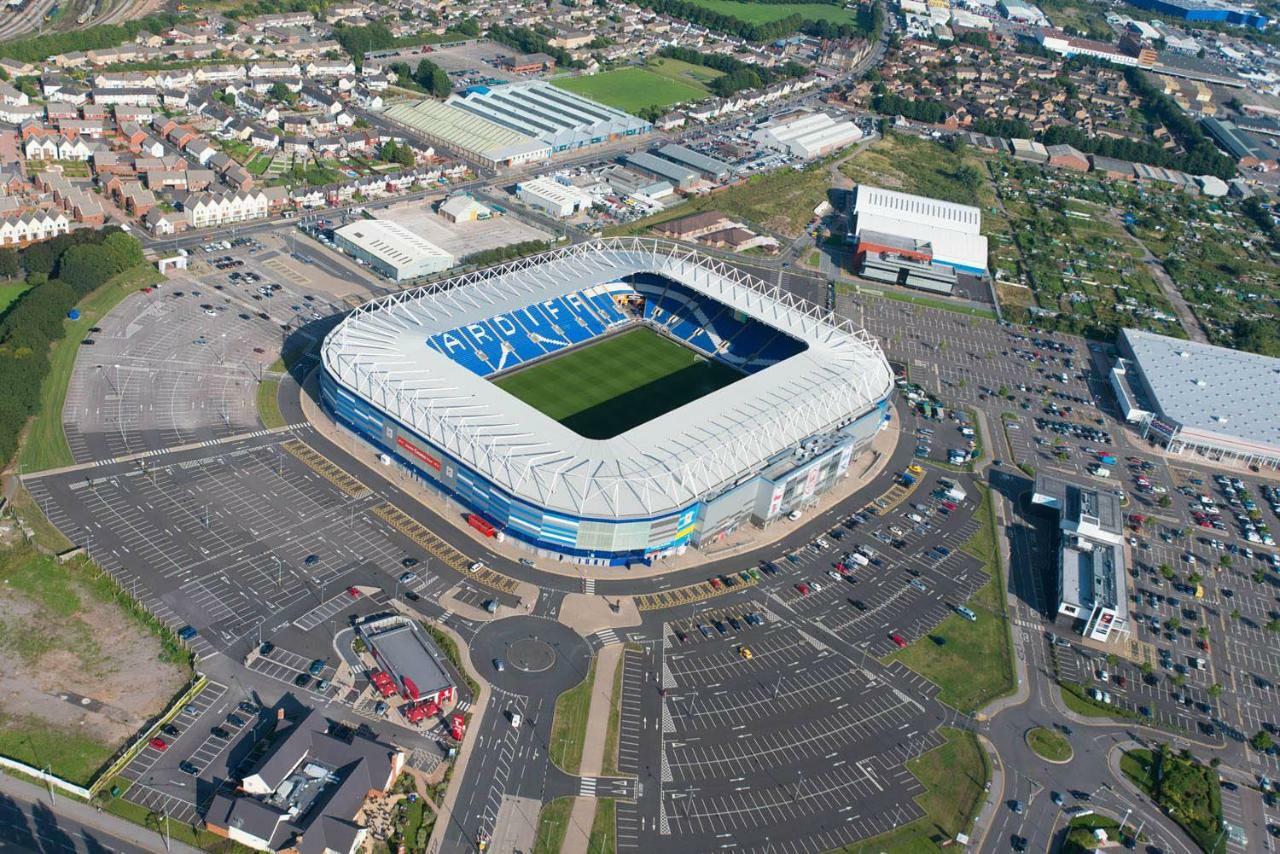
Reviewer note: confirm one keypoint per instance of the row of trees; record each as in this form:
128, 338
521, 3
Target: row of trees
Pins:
889, 104
1202, 156
392, 153
428, 77
866, 23
78, 263
506, 253
37, 49
737, 75
526, 40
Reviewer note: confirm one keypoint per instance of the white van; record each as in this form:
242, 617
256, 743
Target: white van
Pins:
516, 719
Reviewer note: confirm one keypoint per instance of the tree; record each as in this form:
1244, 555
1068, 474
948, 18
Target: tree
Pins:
1260, 575
1203, 633
1235, 613
1173, 623
1166, 572
432, 78
1194, 578
1273, 625
1215, 690
1261, 741
1165, 502
280, 92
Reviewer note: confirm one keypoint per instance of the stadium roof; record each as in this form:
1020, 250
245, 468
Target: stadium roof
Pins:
1210, 390
667, 463
952, 229
555, 116
464, 130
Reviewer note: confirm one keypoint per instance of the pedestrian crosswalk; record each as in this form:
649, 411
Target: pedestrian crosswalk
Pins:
587, 787
589, 586
605, 637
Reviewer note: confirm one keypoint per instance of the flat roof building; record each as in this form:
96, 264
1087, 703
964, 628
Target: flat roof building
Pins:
549, 195
409, 657
556, 117
1091, 560
709, 166
681, 176
951, 231
468, 134
808, 135
391, 249
1216, 402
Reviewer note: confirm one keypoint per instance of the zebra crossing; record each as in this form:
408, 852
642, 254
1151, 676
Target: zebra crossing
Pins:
589, 586
604, 637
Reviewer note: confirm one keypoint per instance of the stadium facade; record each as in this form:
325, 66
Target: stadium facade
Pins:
410, 374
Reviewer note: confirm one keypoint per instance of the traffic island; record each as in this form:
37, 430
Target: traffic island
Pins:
1049, 745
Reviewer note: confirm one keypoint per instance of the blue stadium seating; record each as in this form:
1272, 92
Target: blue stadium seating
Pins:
504, 341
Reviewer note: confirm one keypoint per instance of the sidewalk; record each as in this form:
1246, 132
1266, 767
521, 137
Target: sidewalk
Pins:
83, 814
584, 809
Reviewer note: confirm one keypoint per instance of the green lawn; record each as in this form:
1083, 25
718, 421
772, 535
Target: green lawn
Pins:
569, 726
45, 445
10, 291
697, 76
632, 89
269, 404
1049, 744
605, 389
604, 838
553, 824
764, 13
975, 664
954, 775
609, 766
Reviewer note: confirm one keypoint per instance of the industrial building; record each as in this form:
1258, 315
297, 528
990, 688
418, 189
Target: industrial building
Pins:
711, 167
391, 249
1091, 560
552, 197
628, 182
463, 208
1238, 143
1196, 398
917, 229
559, 118
1205, 11
682, 177
808, 135
468, 135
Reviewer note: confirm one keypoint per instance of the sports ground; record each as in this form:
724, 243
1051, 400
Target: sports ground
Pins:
631, 89
606, 388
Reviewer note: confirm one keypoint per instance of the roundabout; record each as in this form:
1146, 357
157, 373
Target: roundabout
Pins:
539, 657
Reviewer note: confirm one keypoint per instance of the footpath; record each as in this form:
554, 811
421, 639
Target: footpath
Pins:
583, 815
80, 818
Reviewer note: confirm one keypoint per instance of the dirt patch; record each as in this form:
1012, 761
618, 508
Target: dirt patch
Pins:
73, 660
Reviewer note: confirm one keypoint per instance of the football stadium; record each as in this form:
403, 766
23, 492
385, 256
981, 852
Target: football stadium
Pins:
612, 401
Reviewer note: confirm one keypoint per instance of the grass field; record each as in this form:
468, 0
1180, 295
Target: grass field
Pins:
605, 389
698, 76
975, 664
10, 291
569, 726
632, 89
604, 837
45, 445
764, 13
1049, 744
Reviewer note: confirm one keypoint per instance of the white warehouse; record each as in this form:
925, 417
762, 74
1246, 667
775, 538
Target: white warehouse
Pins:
391, 249
552, 197
952, 232
808, 135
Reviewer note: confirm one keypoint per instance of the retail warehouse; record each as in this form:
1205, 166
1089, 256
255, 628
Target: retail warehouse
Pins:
560, 119
889, 226
391, 249
1216, 402
468, 134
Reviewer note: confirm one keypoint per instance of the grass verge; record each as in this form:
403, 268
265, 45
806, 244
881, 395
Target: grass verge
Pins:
45, 533
609, 765
269, 404
1075, 699
450, 649
1048, 744
569, 726
45, 445
1187, 791
553, 825
975, 664
932, 302
954, 776
175, 830
604, 839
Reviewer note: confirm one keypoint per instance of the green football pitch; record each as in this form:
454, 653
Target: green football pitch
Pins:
605, 389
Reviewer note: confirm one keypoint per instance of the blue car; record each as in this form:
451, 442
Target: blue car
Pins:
187, 632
